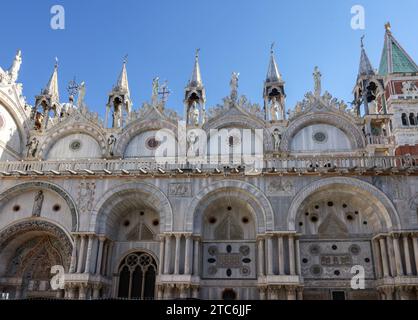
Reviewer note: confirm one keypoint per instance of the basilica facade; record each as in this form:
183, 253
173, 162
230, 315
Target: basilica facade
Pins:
144, 204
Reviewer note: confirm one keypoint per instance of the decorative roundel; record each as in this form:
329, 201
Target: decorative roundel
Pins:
212, 250
245, 250
245, 271
314, 249
320, 137
2, 122
152, 143
75, 145
212, 270
354, 249
316, 270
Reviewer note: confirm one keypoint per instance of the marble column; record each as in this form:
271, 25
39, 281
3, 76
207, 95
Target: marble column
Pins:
187, 260
88, 256
408, 265
73, 264
415, 244
195, 292
377, 255
167, 257
105, 253
291, 293
109, 258
280, 247
177, 254
196, 257
161, 255
160, 293
81, 255
384, 257
99, 256
82, 294
260, 249
71, 292
397, 251
299, 292
96, 291
297, 258
269, 255
291, 255
262, 292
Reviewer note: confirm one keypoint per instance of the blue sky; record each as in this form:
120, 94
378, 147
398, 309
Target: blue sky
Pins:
160, 38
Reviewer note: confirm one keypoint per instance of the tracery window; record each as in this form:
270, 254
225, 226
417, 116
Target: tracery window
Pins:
404, 119
137, 276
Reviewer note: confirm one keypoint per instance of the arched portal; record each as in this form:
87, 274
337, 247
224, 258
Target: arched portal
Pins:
337, 219
29, 249
137, 273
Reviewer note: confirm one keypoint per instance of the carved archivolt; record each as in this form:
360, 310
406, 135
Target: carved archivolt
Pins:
387, 209
20, 188
350, 129
245, 191
10, 233
90, 130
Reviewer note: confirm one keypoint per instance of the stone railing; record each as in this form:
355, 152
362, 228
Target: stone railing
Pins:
148, 165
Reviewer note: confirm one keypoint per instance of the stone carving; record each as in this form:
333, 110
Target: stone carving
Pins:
111, 141
86, 196
333, 260
14, 69
37, 205
317, 80
155, 86
409, 87
234, 85
277, 137
229, 260
276, 109
280, 187
32, 147
20, 228
180, 189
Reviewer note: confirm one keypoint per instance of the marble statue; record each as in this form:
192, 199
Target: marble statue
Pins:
37, 205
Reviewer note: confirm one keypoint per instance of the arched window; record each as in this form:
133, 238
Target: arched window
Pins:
229, 294
412, 121
137, 276
404, 119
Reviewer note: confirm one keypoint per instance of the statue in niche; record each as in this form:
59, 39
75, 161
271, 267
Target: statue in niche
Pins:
191, 139
111, 143
32, 147
195, 113
116, 118
277, 137
37, 205
39, 118
275, 109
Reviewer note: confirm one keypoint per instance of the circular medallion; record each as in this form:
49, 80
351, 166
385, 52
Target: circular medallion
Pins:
316, 270
245, 250
152, 143
354, 249
320, 137
75, 145
314, 249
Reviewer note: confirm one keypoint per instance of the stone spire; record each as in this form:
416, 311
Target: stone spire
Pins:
273, 74
119, 101
365, 68
273, 92
394, 58
122, 84
195, 97
47, 101
196, 78
51, 88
